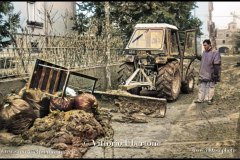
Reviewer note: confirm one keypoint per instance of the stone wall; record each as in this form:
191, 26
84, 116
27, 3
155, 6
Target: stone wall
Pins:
7, 86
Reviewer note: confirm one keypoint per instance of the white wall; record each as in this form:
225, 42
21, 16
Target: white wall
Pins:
61, 13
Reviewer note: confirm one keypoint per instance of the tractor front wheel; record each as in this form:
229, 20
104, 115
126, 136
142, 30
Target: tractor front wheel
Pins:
189, 84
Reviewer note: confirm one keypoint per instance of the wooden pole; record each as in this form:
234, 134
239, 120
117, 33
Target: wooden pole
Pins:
107, 37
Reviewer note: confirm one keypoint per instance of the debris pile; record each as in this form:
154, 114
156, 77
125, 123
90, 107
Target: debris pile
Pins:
72, 131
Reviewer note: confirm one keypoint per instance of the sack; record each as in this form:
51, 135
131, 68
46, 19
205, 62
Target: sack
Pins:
62, 104
32, 95
17, 115
38, 101
13, 107
86, 102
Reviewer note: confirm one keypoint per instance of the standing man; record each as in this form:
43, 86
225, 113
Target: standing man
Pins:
209, 73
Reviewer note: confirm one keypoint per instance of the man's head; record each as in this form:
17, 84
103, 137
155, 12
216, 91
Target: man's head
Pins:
207, 44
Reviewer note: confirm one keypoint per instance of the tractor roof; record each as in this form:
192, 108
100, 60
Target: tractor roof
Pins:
155, 25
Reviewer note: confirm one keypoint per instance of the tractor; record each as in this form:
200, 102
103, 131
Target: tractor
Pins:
159, 61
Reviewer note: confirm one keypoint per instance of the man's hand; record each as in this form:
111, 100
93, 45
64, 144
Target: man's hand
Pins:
216, 73
216, 78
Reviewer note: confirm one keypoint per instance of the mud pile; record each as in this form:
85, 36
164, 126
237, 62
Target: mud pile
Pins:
72, 132
27, 116
119, 92
227, 91
137, 112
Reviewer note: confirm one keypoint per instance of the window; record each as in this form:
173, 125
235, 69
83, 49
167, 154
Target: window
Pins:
190, 46
147, 38
227, 35
31, 11
173, 42
34, 46
33, 15
223, 41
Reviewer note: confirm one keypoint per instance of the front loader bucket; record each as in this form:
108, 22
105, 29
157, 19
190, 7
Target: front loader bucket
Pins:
124, 101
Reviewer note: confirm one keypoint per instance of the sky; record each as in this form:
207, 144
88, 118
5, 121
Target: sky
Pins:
221, 14
202, 13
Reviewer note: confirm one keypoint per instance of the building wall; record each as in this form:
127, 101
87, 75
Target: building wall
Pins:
225, 36
60, 14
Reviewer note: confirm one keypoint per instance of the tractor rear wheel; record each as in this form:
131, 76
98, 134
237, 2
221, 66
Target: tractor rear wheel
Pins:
124, 72
168, 82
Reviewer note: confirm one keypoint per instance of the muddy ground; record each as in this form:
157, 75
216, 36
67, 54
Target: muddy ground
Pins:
189, 130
